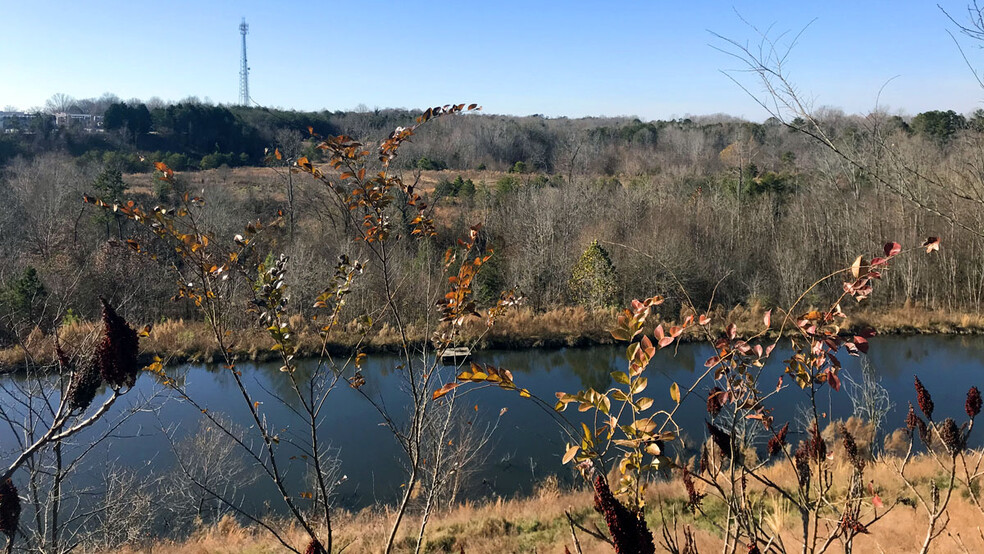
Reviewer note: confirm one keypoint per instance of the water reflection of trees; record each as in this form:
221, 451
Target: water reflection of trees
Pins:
894, 357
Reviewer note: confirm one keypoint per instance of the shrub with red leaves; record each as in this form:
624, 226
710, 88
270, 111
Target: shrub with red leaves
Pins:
10, 508
628, 530
116, 355
925, 400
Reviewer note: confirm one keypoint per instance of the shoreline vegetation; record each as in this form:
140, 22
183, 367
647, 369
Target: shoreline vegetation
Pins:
181, 341
538, 522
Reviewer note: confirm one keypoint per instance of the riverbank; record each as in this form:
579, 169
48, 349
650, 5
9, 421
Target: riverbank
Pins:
538, 523
180, 341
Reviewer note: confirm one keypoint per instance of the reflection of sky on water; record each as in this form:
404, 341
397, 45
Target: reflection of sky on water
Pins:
527, 444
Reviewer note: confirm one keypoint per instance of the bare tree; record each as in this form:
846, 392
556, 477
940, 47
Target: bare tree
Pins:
59, 102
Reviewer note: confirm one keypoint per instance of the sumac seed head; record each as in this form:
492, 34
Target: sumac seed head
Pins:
973, 404
952, 436
116, 354
715, 401
924, 399
778, 441
10, 508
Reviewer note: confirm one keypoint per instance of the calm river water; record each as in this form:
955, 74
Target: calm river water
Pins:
526, 445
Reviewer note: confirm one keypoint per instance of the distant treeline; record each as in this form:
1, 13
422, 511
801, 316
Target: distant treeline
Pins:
193, 135
579, 211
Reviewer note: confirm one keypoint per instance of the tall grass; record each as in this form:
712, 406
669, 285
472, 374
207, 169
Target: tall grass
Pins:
181, 340
537, 523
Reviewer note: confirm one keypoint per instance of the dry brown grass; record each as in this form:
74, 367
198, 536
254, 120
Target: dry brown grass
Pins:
538, 524
182, 340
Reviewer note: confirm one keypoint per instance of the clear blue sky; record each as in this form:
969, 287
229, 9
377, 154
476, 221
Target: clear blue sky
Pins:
647, 58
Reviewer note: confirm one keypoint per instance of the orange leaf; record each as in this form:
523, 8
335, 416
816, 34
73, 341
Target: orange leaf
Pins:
444, 390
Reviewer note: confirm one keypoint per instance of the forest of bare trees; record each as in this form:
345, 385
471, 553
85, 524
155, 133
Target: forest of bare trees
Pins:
714, 203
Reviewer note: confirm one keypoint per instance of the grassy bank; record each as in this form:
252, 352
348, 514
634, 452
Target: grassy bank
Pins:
538, 523
192, 341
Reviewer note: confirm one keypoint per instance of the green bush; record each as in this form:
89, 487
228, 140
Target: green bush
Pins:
506, 185
428, 164
22, 300
458, 187
594, 281
218, 159
176, 161
519, 167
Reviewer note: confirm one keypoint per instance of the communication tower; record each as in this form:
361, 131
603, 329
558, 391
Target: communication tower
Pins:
244, 68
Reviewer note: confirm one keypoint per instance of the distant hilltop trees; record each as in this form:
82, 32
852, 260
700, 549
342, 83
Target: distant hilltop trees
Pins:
199, 134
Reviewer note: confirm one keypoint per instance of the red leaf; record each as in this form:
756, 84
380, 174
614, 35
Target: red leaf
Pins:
665, 341
932, 243
892, 248
877, 502
767, 319
834, 380
861, 343
867, 333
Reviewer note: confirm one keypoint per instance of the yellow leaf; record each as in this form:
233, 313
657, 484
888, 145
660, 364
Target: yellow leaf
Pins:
856, 267
675, 392
571, 452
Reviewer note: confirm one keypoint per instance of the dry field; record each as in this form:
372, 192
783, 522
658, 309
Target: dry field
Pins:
538, 523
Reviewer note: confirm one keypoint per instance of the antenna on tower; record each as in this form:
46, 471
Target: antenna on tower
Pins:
244, 68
